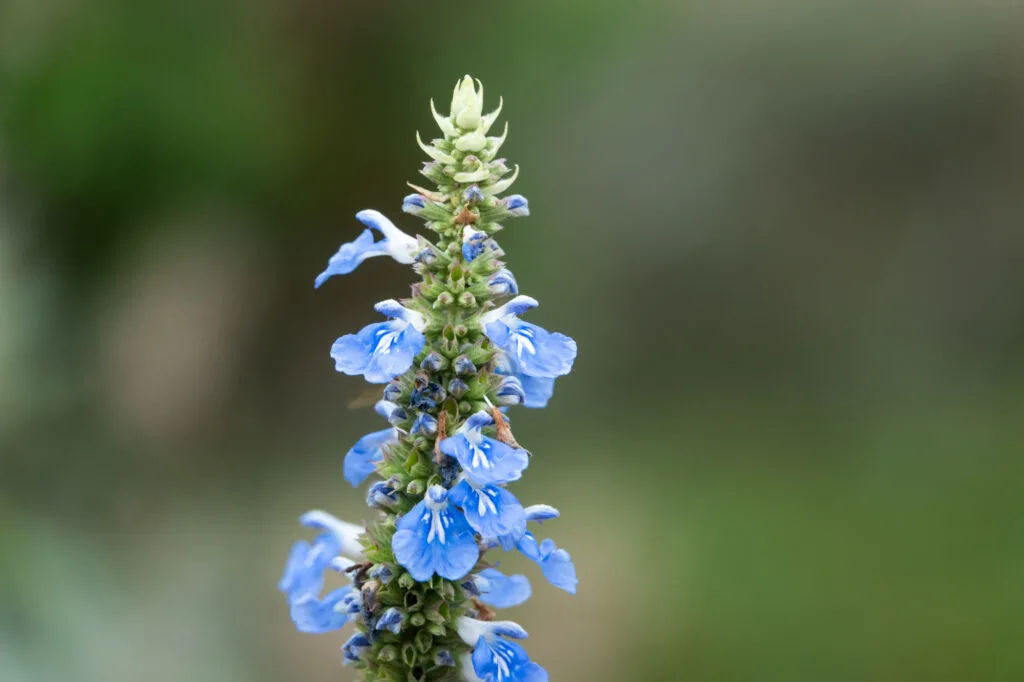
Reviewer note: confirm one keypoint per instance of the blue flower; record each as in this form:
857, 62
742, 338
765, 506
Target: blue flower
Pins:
361, 460
517, 205
501, 591
383, 350
434, 537
555, 564
486, 460
492, 511
303, 576
503, 283
536, 351
355, 646
494, 658
317, 616
395, 243
473, 195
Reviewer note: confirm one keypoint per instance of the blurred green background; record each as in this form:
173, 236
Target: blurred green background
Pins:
787, 237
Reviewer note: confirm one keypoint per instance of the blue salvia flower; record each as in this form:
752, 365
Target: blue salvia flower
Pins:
453, 359
382, 351
484, 458
395, 244
435, 538
303, 577
494, 658
535, 351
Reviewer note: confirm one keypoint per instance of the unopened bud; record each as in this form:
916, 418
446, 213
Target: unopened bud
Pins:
434, 362
392, 392
457, 388
467, 104
517, 205
464, 366
414, 203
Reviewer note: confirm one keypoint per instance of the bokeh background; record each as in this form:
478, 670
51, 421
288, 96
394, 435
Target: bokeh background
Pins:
786, 235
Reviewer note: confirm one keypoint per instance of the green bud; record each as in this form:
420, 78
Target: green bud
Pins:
387, 653
417, 620
406, 581
467, 104
443, 300
467, 300
416, 487
436, 629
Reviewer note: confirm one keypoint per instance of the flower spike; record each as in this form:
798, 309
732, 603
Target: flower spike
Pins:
452, 360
